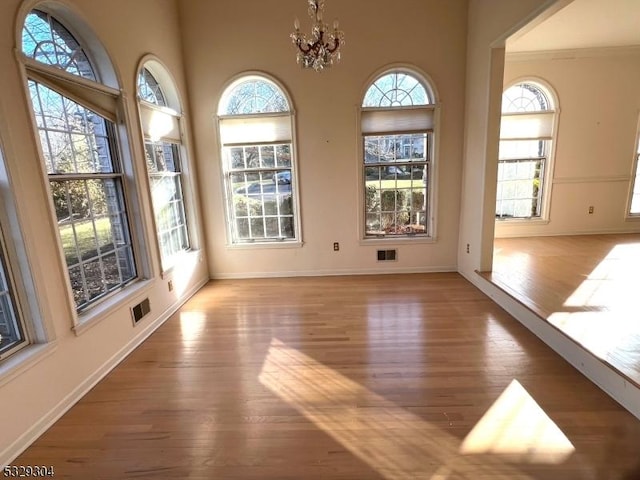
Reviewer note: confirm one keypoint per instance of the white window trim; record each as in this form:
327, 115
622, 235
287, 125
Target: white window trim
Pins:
39, 332
635, 169
122, 126
191, 205
295, 242
432, 214
177, 137
110, 304
548, 183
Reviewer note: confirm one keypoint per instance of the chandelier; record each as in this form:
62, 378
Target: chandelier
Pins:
322, 49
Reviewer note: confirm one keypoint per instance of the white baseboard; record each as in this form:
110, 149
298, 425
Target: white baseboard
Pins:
42, 425
605, 377
334, 273
617, 231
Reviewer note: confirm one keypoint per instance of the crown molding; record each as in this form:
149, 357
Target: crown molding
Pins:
573, 53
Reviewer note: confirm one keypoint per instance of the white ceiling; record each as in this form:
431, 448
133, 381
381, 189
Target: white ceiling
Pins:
583, 24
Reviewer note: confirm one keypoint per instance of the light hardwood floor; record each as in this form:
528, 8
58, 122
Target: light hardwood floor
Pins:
587, 286
364, 377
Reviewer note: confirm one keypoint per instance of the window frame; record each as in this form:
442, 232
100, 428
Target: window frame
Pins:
431, 154
104, 98
39, 335
634, 183
13, 302
226, 172
550, 145
173, 109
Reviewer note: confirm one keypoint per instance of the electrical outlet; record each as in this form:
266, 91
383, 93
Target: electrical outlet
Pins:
336, 246
591, 210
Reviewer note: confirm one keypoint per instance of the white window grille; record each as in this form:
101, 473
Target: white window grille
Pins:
526, 134
256, 133
161, 128
76, 115
397, 125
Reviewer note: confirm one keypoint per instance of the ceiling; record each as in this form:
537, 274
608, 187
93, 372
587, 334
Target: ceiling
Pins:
583, 24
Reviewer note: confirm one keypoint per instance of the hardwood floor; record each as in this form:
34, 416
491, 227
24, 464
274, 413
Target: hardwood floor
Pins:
587, 286
365, 377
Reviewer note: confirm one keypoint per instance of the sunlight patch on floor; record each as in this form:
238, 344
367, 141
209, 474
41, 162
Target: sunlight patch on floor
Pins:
392, 441
600, 332
192, 326
613, 283
515, 426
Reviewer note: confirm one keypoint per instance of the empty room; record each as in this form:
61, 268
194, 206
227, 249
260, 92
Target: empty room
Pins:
299, 239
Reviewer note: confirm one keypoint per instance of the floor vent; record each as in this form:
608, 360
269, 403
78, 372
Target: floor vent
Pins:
387, 255
140, 310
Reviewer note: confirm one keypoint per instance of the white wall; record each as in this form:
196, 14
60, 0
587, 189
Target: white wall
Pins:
34, 396
227, 37
599, 95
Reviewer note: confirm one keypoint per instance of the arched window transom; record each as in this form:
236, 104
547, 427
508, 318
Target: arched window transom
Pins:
149, 90
397, 89
47, 41
254, 95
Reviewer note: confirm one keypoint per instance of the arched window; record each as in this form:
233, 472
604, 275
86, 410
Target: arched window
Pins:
76, 117
163, 151
397, 124
256, 133
524, 163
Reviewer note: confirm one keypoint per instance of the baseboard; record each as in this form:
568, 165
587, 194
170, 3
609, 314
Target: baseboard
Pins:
635, 230
334, 273
613, 383
42, 425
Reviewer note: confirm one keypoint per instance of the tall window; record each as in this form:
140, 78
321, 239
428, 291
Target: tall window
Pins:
164, 164
75, 115
258, 162
635, 195
526, 134
397, 124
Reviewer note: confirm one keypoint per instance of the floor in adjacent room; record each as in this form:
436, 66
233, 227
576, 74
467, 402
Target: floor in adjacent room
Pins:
362, 377
587, 286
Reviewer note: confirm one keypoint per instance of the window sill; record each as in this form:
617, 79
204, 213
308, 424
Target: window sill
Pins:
264, 245
522, 221
417, 239
24, 359
99, 312
635, 217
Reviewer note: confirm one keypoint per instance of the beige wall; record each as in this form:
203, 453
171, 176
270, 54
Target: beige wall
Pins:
227, 37
599, 96
32, 397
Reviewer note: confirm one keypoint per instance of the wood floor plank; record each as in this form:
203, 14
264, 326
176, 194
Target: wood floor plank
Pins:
363, 377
